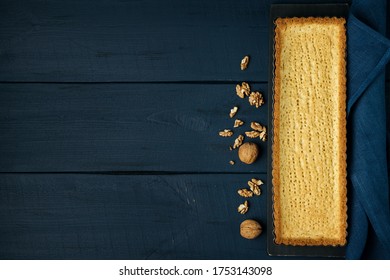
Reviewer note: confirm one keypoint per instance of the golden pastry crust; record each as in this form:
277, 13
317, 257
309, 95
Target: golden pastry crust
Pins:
284, 234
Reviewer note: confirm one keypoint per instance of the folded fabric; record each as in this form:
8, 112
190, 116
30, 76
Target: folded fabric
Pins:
368, 54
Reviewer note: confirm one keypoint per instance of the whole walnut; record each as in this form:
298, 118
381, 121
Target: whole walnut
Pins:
250, 229
248, 152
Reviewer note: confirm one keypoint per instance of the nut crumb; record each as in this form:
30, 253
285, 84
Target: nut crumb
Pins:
238, 142
243, 89
243, 208
256, 99
230, 148
233, 111
231, 162
254, 187
252, 134
244, 62
245, 193
226, 133
238, 123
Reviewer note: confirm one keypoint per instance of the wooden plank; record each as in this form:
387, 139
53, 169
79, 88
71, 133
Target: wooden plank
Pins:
116, 40
123, 127
65, 216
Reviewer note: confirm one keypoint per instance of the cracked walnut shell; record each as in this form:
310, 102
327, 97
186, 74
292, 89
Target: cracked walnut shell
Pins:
248, 152
250, 229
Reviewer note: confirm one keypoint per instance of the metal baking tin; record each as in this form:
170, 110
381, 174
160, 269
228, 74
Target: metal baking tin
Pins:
293, 10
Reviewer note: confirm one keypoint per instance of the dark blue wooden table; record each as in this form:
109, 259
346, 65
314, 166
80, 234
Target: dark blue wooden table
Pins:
109, 120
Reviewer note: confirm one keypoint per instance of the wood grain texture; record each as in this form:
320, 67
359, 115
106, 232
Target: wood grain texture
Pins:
126, 217
123, 127
116, 40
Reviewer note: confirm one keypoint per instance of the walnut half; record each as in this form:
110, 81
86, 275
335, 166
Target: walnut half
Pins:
245, 193
243, 89
252, 134
243, 208
254, 185
233, 111
244, 62
238, 141
261, 129
226, 133
238, 123
256, 99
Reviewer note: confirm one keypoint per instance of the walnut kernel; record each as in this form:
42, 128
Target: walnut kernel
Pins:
257, 181
238, 141
256, 99
238, 123
254, 188
226, 133
244, 62
233, 111
243, 89
245, 193
243, 208
261, 129
252, 134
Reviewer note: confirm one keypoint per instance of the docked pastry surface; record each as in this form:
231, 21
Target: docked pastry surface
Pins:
309, 120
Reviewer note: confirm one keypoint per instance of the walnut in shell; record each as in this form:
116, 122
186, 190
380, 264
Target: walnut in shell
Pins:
248, 152
250, 229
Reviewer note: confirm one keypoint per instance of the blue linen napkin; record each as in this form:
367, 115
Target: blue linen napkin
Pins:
368, 193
